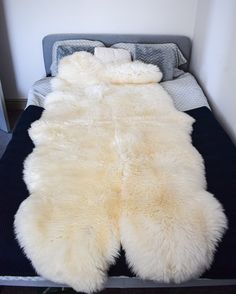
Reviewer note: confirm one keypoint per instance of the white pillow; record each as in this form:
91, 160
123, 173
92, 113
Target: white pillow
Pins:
107, 55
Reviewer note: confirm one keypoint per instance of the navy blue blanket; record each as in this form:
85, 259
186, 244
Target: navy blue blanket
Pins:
208, 137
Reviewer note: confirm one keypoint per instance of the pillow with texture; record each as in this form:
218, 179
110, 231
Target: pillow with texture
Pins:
167, 56
115, 55
67, 47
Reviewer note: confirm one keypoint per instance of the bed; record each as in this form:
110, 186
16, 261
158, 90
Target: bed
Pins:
208, 137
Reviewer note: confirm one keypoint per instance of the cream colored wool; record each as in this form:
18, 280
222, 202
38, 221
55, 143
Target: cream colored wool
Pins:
114, 164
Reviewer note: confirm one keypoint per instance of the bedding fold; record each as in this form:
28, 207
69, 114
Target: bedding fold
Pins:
113, 165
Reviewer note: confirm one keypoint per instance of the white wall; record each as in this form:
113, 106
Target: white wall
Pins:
214, 57
27, 21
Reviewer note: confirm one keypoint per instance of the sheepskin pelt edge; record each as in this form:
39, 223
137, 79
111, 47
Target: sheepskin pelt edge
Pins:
113, 165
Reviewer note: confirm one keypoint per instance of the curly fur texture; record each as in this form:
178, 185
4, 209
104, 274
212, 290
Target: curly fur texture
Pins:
114, 164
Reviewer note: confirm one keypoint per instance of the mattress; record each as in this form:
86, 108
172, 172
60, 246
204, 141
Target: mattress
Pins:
208, 137
184, 90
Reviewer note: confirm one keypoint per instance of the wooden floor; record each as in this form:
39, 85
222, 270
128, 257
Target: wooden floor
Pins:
196, 290
13, 116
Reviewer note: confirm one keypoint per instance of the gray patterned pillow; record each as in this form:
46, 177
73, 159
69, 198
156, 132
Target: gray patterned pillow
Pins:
63, 48
167, 56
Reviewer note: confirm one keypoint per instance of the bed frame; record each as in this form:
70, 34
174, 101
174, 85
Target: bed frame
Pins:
184, 44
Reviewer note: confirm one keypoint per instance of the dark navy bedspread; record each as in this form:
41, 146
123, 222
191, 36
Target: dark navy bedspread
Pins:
208, 137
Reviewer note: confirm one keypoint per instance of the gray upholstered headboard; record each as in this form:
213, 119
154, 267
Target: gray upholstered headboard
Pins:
184, 43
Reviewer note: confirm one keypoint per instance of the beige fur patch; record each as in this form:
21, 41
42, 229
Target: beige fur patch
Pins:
114, 163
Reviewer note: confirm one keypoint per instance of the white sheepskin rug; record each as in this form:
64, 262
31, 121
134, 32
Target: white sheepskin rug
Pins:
113, 165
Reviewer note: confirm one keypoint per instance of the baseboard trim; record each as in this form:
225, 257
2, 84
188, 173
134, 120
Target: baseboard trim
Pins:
16, 104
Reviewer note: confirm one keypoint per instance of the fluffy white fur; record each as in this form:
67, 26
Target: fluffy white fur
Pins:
114, 163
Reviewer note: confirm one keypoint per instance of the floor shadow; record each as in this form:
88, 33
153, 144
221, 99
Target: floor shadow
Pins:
7, 74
